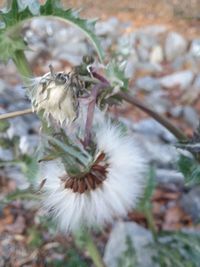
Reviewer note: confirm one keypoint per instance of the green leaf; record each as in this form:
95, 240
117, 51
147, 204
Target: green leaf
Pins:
4, 125
14, 14
177, 249
30, 168
116, 75
145, 202
11, 40
84, 240
9, 46
21, 194
190, 168
129, 256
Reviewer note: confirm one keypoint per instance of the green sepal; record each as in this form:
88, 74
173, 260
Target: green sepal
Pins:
116, 76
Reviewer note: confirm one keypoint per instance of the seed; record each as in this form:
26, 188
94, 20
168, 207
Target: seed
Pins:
81, 186
69, 183
75, 186
98, 180
90, 181
100, 158
99, 177
98, 168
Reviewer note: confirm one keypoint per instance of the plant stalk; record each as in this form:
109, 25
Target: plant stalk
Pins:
159, 118
22, 65
151, 222
15, 114
93, 251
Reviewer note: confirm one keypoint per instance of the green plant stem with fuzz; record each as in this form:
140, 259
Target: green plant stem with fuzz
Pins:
159, 118
22, 65
151, 221
92, 250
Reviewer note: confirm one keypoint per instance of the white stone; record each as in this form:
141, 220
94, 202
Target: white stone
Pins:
195, 48
156, 55
107, 27
183, 79
154, 29
148, 84
175, 45
117, 245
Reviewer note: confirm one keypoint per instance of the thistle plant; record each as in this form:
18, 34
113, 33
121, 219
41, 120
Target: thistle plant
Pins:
91, 171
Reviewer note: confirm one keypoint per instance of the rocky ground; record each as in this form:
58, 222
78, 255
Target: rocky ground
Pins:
162, 62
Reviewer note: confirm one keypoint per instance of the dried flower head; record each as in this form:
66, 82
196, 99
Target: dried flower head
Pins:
55, 94
107, 189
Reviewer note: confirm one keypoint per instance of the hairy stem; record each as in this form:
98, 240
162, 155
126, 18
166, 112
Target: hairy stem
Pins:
93, 251
22, 65
151, 222
159, 118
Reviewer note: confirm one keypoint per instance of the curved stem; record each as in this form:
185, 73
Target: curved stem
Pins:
159, 118
22, 65
92, 250
14, 30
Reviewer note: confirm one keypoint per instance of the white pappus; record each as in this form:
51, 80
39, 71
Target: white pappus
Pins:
53, 95
109, 190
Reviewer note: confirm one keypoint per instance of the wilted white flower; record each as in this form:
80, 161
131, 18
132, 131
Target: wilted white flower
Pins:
55, 96
109, 189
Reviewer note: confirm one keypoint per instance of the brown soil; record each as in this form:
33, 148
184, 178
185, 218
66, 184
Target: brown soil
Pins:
180, 15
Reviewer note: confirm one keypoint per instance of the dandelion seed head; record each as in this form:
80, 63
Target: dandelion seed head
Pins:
108, 190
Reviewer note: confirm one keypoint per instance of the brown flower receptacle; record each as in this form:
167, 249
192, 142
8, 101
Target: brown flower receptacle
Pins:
89, 181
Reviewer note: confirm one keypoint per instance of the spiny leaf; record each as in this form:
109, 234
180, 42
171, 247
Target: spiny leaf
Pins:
11, 40
145, 202
190, 169
21, 194
177, 249
30, 168
116, 76
14, 14
9, 46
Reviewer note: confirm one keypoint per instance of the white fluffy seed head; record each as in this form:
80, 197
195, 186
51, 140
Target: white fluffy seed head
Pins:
54, 99
118, 193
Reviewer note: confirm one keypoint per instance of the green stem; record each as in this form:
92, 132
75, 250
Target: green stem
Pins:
22, 65
93, 251
151, 222
159, 118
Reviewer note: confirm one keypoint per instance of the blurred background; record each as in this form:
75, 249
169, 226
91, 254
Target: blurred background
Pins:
158, 45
